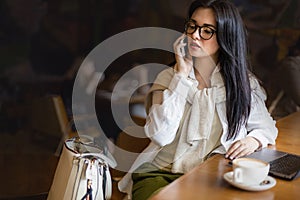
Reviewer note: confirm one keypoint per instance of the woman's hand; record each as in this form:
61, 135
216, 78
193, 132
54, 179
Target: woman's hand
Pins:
242, 147
184, 62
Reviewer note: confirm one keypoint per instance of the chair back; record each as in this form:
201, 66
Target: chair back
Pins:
48, 116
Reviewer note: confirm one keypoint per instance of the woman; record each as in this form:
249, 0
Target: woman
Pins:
89, 191
207, 103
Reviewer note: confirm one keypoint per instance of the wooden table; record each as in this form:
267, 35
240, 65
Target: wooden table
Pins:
206, 180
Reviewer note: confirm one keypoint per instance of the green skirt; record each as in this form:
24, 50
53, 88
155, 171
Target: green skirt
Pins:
146, 184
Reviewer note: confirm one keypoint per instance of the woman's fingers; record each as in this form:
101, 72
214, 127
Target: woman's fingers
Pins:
184, 62
179, 46
242, 147
233, 150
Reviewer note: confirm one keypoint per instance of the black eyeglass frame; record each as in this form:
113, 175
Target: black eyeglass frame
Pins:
211, 27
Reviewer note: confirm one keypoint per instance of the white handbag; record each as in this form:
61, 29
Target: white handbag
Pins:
82, 173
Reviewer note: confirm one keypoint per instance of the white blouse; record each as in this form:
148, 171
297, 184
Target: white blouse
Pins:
181, 97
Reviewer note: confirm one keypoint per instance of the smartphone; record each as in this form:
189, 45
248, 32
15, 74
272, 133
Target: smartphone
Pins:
183, 50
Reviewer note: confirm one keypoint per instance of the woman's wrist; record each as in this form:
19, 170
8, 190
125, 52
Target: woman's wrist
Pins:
180, 72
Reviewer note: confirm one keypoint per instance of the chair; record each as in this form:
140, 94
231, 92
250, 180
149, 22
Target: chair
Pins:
49, 118
131, 144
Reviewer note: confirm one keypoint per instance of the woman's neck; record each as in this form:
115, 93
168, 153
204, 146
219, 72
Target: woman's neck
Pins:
205, 67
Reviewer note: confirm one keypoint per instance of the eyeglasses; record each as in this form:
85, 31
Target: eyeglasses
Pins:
205, 32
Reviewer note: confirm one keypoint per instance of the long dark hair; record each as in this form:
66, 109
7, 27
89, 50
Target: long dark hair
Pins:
234, 65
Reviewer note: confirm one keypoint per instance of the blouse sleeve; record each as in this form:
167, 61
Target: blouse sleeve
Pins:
260, 124
163, 119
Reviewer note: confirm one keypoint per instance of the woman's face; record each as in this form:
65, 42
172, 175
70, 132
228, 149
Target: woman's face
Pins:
197, 46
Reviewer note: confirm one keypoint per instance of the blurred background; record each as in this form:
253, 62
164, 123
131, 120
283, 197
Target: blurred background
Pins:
43, 43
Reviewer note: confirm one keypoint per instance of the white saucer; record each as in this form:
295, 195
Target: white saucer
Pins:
269, 183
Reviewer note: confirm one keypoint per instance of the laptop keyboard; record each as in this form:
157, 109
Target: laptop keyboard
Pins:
288, 164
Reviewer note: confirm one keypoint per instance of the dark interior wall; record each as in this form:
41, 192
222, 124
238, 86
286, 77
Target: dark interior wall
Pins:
42, 42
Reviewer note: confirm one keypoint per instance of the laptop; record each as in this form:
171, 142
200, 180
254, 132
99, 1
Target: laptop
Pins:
282, 164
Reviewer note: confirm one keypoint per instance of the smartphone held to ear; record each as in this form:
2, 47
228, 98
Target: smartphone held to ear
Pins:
183, 49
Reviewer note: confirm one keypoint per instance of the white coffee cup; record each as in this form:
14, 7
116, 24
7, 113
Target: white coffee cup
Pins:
249, 171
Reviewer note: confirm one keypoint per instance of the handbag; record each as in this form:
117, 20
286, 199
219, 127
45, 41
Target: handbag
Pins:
82, 173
